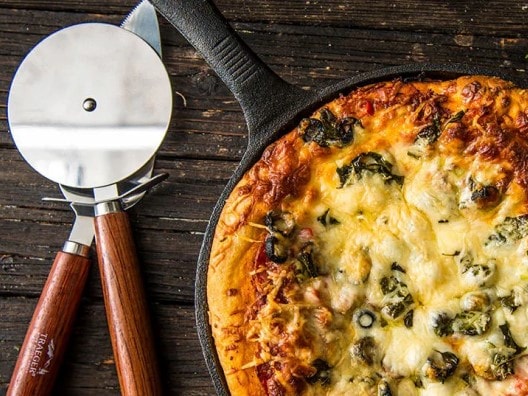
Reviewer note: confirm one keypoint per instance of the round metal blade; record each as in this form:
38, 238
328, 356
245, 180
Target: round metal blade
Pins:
89, 105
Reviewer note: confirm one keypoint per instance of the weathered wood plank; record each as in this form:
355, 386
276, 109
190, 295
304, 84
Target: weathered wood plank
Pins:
90, 352
491, 17
310, 44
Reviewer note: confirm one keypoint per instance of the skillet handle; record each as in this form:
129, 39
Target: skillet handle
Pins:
261, 93
126, 303
41, 354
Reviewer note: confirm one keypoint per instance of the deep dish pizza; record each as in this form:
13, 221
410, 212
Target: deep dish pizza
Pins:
381, 248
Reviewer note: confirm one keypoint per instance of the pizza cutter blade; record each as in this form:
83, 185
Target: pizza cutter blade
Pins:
88, 107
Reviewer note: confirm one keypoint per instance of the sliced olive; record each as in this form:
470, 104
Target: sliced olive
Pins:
364, 318
408, 319
486, 197
276, 249
327, 220
322, 373
282, 222
397, 267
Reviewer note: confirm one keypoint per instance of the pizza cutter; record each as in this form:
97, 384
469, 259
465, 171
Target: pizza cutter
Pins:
87, 108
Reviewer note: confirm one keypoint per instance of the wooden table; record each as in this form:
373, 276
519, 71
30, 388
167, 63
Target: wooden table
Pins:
309, 43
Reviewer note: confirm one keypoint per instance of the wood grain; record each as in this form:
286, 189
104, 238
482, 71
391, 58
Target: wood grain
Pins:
126, 307
310, 44
47, 337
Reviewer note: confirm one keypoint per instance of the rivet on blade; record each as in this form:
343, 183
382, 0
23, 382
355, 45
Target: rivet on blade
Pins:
89, 104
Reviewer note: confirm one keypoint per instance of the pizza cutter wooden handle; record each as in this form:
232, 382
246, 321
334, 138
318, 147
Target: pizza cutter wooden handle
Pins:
126, 306
49, 330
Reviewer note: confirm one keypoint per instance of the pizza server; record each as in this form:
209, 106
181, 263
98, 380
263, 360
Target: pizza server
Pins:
88, 108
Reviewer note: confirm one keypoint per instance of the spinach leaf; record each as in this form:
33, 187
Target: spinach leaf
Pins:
368, 163
510, 230
327, 130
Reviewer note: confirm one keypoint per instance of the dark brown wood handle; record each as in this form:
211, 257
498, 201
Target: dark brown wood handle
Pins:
126, 306
50, 328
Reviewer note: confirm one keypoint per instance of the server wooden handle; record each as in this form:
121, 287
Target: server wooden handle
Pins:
50, 328
126, 306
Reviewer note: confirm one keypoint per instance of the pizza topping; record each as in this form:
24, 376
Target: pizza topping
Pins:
282, 222
471, 323
472, 91
408, 319
280, 226
305, 266
475, 301
456, 117
474, 273
502, 365
511, 302
485, 197
327, 130
265, 373
442, 325
365, 350
326, 219
382, 272
397, 267
397, 297
322, 373
384, 388
510, 230
365, 318
508, 339
368, 163
430, 133
277, 248
441, 365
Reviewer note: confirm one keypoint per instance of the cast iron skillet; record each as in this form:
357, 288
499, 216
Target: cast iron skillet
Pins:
271, 107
